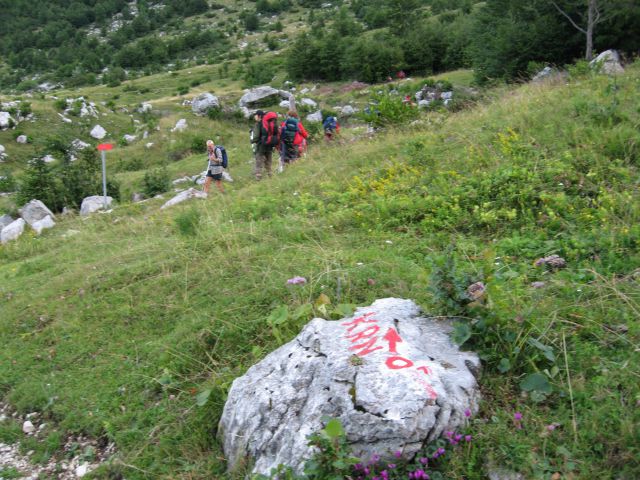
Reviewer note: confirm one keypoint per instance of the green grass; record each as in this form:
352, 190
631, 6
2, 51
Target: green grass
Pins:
115, 330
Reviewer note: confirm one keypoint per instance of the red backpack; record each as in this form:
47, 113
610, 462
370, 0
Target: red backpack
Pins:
269, 135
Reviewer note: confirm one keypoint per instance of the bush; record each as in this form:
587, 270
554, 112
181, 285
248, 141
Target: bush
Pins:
156, 181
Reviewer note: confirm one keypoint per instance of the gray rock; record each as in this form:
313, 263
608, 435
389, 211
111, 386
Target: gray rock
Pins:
181, 126
28, 427
446, 95
608, 62
261, 96
129, 138
552, 261
203, 103
145, 107
6, 120
93, 204
12, 231
284, 104
78, 145
40, 225
424, 103
503, 474
3, 155
22, 139
34, 211
543, 74
347, 111
315, 117
394, 379
98, 132
5, 220
48, 159
137, 197
307, 102
185, 195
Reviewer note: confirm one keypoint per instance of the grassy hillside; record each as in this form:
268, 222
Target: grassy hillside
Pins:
118, 325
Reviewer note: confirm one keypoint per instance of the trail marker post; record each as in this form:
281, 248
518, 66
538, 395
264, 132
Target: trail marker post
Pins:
103, 147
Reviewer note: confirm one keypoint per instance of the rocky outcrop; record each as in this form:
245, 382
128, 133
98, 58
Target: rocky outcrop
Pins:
262, 96
183, 196
93, 204
6, 120
315, 117
392, 377
12, 231
203, 103
35, 211
608, 62
40, 225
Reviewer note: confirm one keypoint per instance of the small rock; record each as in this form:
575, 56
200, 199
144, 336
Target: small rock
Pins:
181, 126
182, 196
608, 62
12, 231
22, 139
28, 427
98, 132
82, 470
129, 138
315, 117
476, 290
538, 284
552, 261
40, 225
94, 203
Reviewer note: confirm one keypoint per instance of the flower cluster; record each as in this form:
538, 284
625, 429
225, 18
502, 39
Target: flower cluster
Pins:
297, 281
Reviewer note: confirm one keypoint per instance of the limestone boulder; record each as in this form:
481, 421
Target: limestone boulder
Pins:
22, 139
3, 154
6, 120
93, 204
183, 196
608, 62
5, 220
12, 231
315, 117
181, 126
392, 377
262, 96
307, 102
35, 211
203, 103
98, 132
40, 225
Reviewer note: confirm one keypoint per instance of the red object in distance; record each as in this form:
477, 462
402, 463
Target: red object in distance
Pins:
105, 146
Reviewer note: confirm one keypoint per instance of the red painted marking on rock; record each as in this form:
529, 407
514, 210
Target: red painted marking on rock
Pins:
398, 363
366, 348
393, 338
366, 333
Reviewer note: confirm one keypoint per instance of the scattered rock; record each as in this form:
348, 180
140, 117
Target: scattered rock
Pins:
552, 261
137, 197
315, 117
182, 196
12, 231
78, 145
82, 470
203, 103
40, 225
503, 474
181, 126
148, 145
181, 180
93, 204
284, 104
6, 120
538, 284
5, 220
608, 62
22, 139
347, 111
65, 119
35, 211
145, 108
27, 427
476, 290
393, 378
48, 159
130, 138
307, 102
262, 96
3, 155
98, 132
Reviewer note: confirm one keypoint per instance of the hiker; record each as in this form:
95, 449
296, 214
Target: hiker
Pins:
401, 75
217, 162
265, 137
293, 137
331, 127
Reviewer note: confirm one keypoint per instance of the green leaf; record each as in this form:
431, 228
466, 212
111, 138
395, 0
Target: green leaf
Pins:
546, 349
303, 311
536, 382
202, 397
278, 316
345, 309
334, 428
504, 366
461, 333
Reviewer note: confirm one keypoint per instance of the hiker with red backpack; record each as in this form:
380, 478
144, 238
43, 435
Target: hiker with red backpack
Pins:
293, 137
265, 137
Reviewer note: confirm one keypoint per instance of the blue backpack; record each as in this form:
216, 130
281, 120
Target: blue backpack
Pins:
290, 130
223, 153
330, 123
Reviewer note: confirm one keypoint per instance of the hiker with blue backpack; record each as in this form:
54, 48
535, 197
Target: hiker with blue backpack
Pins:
217, 162
293, 136
331, 127
265, 137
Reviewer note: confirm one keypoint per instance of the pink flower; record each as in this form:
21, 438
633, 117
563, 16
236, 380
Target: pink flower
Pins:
467, 413
297, 281
517, 416
468, 438
397, 454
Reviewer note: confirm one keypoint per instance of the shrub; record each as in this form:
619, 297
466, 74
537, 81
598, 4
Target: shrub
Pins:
187, 222
156, 181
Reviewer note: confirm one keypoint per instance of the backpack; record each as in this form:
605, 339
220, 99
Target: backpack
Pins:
223, 153
289, 130
330, 123
269, 131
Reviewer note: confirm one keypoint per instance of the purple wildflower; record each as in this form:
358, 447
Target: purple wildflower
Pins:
397, 454
467, 413
375, 458
517, 416
448, 434
297, 281
391, 466
418, 475
468, 438
358, 466
423, 460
